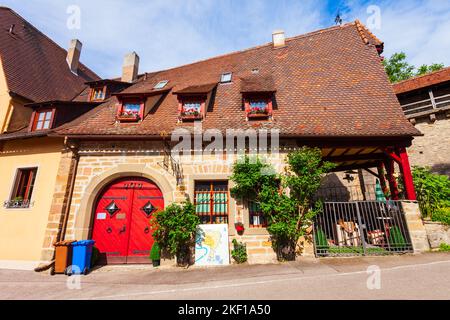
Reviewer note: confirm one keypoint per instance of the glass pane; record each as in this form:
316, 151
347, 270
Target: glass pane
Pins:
41, 116
48, 115
46, 124
131, 108
191, 107
258, 106
39, 125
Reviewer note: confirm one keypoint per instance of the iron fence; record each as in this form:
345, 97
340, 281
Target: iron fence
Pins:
361, 228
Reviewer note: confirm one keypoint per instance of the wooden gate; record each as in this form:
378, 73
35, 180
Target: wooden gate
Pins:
122, 220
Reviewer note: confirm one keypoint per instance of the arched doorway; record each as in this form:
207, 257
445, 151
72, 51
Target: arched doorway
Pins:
121, 226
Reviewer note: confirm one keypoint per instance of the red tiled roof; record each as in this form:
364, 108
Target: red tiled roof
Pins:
258, 83
422, 81
34, 65
328, 83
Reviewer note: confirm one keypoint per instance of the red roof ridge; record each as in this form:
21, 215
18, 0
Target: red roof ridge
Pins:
422, 76
362, 28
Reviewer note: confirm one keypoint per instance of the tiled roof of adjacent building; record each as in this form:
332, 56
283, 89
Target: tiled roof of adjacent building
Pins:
34, 65
328, 83
424, 81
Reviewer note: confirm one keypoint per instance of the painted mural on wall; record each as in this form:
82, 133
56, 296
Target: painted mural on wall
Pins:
211, 247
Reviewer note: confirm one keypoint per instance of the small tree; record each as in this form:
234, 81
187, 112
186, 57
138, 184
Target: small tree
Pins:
175, 228
285, 200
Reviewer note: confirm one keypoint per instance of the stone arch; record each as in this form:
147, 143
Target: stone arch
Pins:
83, 218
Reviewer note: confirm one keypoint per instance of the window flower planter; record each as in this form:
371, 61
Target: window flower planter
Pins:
125, 117
191, 115
239, 228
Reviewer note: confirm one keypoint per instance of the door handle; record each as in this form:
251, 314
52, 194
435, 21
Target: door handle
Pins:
109, 230
123, 229
146, 230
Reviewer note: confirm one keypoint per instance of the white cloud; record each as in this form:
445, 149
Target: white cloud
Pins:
167, 33
421, 29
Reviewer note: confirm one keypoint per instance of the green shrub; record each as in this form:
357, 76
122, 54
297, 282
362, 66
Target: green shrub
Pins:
321, 240
239, 252
442, 215
396, 239
155, 254
444, 247
432, 190
175, 228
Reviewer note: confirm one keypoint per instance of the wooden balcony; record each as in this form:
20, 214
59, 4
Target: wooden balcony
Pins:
427, 107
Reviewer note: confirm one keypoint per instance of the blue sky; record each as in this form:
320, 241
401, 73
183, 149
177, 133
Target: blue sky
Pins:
167, 33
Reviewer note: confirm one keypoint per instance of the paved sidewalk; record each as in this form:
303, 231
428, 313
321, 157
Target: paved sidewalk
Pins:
424, 276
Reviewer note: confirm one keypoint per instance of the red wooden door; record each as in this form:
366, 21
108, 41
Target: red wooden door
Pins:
122, 220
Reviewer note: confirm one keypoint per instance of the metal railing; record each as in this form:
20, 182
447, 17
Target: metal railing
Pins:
361, 228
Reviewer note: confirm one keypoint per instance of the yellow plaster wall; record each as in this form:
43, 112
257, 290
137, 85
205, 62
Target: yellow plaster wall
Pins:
22, 230
5, 101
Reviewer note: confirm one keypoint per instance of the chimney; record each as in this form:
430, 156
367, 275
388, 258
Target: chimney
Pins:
278, 39
73, 55
130, 67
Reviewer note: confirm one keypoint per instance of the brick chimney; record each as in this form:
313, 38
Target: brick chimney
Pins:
130, 67
73, 55
278, 38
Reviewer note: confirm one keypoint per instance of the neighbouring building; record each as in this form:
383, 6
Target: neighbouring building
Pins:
38, 83
426, 103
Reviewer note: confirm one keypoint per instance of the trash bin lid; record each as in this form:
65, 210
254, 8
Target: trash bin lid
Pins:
64, 243
84, 243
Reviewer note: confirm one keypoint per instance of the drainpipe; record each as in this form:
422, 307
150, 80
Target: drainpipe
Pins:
73, 172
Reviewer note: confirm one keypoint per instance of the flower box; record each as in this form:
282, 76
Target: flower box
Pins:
191, 115
125, 117
239, 227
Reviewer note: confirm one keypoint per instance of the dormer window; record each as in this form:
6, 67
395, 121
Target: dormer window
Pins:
98, 94
192, 108
259, 106
130, 111
42, 120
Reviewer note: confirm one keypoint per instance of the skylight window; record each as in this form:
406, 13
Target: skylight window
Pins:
226, 77
161, 84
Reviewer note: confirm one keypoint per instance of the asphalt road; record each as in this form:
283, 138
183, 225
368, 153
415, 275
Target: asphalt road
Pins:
425, 276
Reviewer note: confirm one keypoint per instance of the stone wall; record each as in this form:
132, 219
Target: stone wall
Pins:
433, 149
416, 227
438, 233
100, 164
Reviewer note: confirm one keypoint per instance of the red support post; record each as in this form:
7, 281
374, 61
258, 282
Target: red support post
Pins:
382, 177
390, 169
406, 173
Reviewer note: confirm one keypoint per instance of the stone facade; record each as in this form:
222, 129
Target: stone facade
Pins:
438, 233
415, 226
100, 164
433, 149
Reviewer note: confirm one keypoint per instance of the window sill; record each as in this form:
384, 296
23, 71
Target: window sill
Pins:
128, 118
14, 205
191, 117
258, 115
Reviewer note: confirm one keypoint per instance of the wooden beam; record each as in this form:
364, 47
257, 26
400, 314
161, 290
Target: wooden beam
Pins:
372, 172
357, 157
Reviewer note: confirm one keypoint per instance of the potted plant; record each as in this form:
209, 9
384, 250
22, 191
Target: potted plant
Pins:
239, 228
155, 255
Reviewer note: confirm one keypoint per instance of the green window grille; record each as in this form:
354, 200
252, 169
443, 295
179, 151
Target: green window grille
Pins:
211, 201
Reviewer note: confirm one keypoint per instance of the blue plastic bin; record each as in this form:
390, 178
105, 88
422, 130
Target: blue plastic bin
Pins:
81, 257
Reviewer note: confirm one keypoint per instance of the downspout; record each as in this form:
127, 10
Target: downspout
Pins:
73, 172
